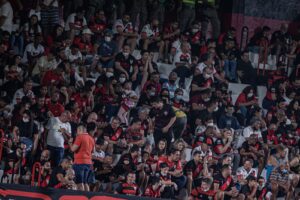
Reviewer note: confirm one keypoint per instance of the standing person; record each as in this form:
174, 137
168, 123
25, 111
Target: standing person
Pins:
187, 13
165, 117
49, 14
58, 130
83, 148
6, 16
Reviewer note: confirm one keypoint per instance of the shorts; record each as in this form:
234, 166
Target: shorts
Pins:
82, 172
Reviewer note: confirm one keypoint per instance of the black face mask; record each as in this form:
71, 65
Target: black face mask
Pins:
172, 81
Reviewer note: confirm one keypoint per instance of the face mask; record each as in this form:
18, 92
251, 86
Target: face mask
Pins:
206, 100
109, 74
122, 79
172, 81
206, 76
26, 120
250, 95
152, 94
210, 124
107, 39
216, 109
285, 171
178, 97
125, 54
195, 30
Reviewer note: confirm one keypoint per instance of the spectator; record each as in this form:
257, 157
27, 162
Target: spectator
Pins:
6, 14
58, 130
83, 147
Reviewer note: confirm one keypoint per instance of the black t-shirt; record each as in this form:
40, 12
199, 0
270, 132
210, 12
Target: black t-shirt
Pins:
246, 68
163, 116
27, 129
200, 81
191, 166
144, 100
225, 184
53, 178
122, 169
127, 63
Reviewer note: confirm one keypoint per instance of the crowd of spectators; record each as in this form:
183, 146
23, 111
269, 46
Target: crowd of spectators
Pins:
78, 99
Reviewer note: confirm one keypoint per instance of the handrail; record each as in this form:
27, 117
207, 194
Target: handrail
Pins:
264, 45
1, 143
244, 37
36, 166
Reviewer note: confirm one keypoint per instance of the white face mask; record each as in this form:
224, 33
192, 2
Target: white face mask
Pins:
122, 79
125, 54
25, 120
210, 124
206, 100
179, 97
206, 76
195, 30
216, 109
109, 74
107, 38
250, 95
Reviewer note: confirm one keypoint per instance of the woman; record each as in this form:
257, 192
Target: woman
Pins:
182, 146
56, 38
32, 29
293, 111
246, 100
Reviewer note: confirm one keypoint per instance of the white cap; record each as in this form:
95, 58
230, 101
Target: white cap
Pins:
87, 31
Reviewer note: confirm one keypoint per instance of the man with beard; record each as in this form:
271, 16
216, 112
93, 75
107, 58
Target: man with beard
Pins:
55, 108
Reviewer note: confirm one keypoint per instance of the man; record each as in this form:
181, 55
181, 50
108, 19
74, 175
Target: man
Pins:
204, 191
58, 130
54, 106
245, 171
253, 128
223, 182
6, 16
171, 84
129, 187
164, 117
82, 147
246, 72
175, 167
25, 91
183, 61
126, 63
253, 149
57, 178
195, 168
279, 180
124, 30
151, 38
76, 22
187, 13
202, 81
227, 120
107, 50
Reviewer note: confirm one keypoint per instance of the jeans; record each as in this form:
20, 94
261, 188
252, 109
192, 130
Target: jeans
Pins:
230, 69
82, 172
180, 181
57, 154
17, 42
179, 126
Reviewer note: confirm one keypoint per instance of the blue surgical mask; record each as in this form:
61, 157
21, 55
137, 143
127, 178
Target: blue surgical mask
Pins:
178, 97
285, 171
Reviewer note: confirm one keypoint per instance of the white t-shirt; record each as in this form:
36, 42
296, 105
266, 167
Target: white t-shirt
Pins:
19, 94
55, 138
47, 3
243, 173
248, 131
7, 11
33, 51
182, 58
72, 20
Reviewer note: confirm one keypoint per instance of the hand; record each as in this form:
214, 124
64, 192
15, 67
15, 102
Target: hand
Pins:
165, 129
134, 77
240, 73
